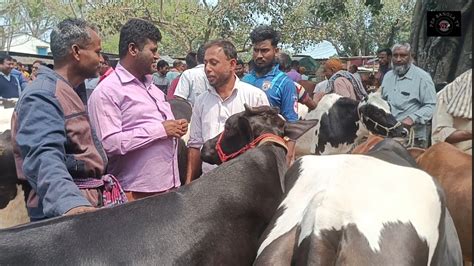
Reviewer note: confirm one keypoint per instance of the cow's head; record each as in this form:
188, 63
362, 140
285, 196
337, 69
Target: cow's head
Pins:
247, 129
374, 112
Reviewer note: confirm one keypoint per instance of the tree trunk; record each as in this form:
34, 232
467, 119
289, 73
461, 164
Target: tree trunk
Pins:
444, 58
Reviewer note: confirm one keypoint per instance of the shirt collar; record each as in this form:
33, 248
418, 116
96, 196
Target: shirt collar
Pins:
126, 77
44, 70
6, 76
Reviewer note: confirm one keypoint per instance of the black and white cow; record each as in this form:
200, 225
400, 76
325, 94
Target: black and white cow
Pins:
361, 210
343, 123
215, 220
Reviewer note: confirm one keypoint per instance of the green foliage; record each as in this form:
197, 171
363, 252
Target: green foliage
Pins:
353, 26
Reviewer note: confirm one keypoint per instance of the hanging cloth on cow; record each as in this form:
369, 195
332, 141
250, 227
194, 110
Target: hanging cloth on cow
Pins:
458, 96
112, 192
356, 84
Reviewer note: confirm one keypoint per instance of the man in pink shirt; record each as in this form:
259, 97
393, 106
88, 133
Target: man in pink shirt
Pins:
132, 119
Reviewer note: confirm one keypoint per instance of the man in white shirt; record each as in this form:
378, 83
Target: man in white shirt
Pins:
193, 82
226, 96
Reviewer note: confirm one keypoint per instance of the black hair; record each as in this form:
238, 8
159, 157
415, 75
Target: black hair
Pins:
386, 50
161, 64
227, 47
137, 31
284, 61
295, 63
4, 57
200, 54
191, 60
240, 62
68, 32
177, 63
263, 33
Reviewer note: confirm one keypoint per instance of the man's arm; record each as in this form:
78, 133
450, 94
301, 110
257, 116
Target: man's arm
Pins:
428, 103
443, 126
183, 89
288, 101
194, 164
106, 118
194, 144
41, 137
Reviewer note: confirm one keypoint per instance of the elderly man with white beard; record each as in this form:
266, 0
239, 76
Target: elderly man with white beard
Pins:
411, 94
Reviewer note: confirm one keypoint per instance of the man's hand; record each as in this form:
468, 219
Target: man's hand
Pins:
80, 209
176, 128
407, 122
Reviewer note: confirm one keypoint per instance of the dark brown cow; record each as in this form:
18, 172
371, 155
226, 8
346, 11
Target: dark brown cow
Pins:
453, 170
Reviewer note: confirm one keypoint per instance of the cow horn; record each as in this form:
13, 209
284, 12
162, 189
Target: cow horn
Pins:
249, 110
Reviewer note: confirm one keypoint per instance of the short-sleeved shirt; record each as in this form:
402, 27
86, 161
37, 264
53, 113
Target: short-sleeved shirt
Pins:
411, 95
210, 112
280, 90
192, 83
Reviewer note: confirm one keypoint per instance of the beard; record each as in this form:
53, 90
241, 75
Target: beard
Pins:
401, 70
264, 69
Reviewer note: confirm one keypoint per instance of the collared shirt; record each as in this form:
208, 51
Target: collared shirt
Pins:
128, 116
10, 94
20, 77
192, 83
172, 74
412, 95
210, 112
280, 90
444, 124
161, 82
294, 75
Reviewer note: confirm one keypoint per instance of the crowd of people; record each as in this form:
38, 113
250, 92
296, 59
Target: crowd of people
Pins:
90, 133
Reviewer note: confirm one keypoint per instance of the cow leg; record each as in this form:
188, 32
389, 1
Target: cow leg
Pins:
280, 251
182, 161
318, 250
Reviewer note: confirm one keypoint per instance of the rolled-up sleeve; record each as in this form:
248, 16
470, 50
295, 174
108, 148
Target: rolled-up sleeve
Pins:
443, 123
41, 138
106, 118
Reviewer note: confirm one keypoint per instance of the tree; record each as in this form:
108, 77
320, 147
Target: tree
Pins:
444, 58
355, 27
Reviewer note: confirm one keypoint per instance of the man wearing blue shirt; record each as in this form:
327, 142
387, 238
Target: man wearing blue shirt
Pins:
266, 75
411, 94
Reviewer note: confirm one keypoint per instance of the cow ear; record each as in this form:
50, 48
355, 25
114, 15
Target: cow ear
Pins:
295, 130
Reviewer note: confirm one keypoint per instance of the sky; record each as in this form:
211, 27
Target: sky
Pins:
323, 49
